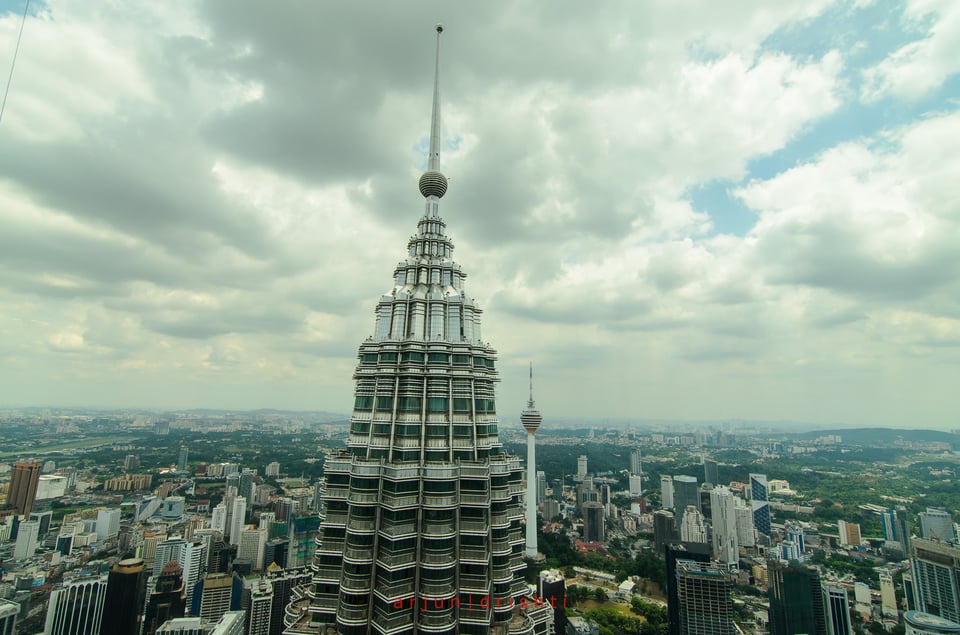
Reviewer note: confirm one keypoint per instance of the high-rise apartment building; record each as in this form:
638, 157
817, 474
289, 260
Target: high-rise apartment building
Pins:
125, 597
888, 524
283, 582
636, 461
8, 616
796, 600
531, 419
704, 591
837, 607
692, 526
888, 595
182, 459
552, 587
421, 517
759, 497
260, 608
28, 539
936, 578
76, 608
22, 492
216, 594
726, 543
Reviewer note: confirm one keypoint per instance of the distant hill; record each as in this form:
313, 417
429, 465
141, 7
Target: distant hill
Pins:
883, 436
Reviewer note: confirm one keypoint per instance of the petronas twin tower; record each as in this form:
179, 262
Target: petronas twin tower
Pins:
421, 516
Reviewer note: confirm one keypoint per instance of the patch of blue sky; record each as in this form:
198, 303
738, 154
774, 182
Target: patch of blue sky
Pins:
421, 149
17, 6
728, 214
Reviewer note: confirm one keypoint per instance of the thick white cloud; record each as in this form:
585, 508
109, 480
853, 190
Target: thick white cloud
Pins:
202, 203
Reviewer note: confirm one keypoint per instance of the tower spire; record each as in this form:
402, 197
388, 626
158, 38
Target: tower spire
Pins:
433, 183
530, 404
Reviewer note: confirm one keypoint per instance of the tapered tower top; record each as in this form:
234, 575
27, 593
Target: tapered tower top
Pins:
433, 182
530, 417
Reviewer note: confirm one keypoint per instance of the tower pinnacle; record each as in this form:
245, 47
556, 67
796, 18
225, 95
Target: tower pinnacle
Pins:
530, 417
433, 182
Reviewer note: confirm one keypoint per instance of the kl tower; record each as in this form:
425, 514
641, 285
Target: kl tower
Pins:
530, 418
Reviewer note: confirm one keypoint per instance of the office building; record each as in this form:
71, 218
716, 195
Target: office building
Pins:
704, 592
531, 419
686, 494
759, 500
636, 461
44, 519
593, 522
935, 568
552, 587
673, 554
230, 623
182, 626
541, 487
253, 543
424, 504
710, 472
904, 530
664, 529
8, 617
918, 623
216, 594
108, 523
283, 583
245, 487
796, 600
936, 524
125, 598
22, 491
168, 598
837, 609
666, 492
76, 608
182, 459
28, 535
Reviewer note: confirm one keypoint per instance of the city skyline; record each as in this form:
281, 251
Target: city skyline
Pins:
720, 213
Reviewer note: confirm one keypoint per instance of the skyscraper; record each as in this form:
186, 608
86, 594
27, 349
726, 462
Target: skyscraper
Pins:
666, 492
888, 522
182, 459
726, 543
22, 492
260, 608
581, 467
124, 599
421, 517
903, 529
692, 527
168, 599
664, 529
674, 553
796, 600
704, 592
838, 609
636, 461
530, 419
686, 493
936, 578
710, 472
759, 501
593, 527
76, 608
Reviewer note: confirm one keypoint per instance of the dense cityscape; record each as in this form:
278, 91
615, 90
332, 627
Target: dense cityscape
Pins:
827, 531
434, 507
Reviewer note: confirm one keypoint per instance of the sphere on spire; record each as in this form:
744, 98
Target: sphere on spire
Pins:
433, 183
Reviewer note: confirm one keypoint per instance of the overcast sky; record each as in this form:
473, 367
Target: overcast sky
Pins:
676, 210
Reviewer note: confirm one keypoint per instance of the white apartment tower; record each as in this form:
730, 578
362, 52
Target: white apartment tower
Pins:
530, 419
726, 543
423, 511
